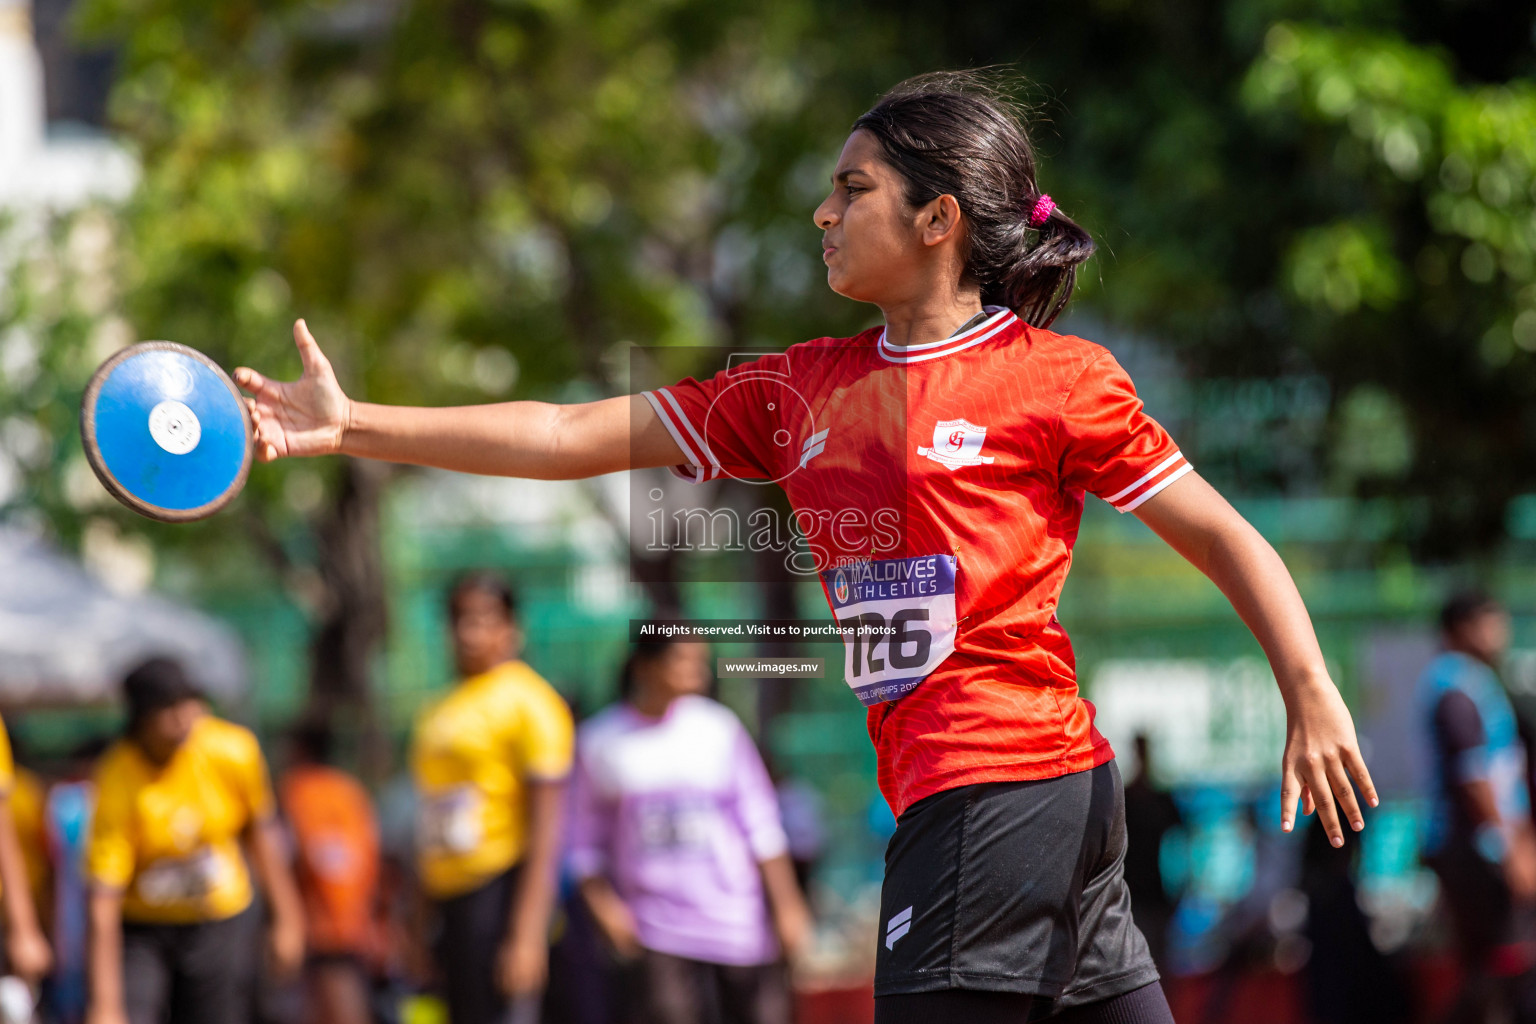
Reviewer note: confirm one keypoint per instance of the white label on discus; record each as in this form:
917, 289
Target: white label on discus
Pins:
174, 427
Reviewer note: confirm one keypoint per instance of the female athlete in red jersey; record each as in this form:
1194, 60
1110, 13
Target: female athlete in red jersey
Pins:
979, 431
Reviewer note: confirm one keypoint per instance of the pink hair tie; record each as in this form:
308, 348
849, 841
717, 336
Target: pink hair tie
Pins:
1042, 211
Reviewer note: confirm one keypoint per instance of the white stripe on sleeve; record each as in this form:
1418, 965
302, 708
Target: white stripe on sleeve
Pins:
1170, 460
682, 417
1155, 488
694, 460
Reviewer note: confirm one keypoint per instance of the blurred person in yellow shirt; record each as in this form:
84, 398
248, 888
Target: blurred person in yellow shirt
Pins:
26, 949
489, 762
171, 917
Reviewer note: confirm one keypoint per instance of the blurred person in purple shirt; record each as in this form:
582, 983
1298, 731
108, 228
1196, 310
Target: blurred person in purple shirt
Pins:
676, 839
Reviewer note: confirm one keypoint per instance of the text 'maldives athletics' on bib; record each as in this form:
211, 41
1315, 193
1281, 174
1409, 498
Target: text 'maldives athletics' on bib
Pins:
969, 457
900, 618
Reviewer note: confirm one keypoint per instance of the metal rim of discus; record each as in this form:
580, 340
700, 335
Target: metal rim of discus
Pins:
99, 466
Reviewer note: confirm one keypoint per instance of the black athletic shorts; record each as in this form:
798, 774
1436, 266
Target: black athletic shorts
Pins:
1013, 887
191, 973
474, 926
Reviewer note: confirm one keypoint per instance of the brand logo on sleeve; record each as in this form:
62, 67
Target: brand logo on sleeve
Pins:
957, 443
814, 446
899, 925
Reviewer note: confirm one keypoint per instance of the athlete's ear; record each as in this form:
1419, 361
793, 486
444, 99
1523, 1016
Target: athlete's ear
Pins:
940, 220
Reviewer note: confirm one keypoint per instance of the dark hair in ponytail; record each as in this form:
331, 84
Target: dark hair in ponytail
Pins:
955, 133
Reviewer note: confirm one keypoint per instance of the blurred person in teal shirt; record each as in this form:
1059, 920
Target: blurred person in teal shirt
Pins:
1479, 837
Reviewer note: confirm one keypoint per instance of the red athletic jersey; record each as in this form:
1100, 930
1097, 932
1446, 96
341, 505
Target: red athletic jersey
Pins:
940, 488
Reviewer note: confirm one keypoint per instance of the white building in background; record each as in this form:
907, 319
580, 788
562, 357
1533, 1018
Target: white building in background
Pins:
47, 168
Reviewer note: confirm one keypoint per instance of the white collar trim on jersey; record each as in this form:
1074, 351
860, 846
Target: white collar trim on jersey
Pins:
1000, 320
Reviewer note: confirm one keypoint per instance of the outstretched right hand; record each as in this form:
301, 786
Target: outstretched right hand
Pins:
308, 416
617, 924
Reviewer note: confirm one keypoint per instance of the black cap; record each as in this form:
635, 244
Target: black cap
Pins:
157, 684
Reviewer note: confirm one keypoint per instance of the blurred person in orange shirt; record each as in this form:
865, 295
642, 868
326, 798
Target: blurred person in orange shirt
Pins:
336, 860
27, 953
489, 761
172, 922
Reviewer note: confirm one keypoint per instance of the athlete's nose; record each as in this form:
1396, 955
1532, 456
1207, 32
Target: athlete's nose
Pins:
825, 216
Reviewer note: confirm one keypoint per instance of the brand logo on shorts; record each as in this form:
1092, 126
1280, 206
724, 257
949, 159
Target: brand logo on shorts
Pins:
957, 443
897, 926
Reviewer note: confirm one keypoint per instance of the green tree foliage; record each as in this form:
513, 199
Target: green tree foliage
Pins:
56, 311
1304, 189
467, 201
478, 200
1420, 272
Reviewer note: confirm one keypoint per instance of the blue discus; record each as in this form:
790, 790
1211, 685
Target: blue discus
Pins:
166, 431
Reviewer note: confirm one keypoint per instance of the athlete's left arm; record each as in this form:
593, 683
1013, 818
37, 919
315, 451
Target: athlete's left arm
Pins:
1322, 753
285, 932
25, 946
523, 961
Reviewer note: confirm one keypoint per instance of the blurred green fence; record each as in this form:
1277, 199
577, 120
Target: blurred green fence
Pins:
1128, 598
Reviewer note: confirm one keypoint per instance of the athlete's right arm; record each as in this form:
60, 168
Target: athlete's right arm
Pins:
536, 440
613, 916
105, 962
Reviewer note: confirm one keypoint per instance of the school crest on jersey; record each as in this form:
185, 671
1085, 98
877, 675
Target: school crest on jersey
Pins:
957, 443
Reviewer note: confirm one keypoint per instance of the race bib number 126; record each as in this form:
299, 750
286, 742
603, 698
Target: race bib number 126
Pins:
898, 619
